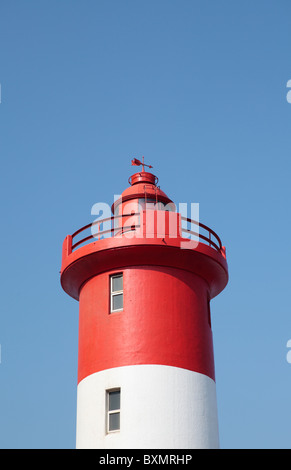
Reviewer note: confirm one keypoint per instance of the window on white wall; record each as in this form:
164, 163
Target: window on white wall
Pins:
113, 410
116, 292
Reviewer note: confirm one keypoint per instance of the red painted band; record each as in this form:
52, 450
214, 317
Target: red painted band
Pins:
165, 320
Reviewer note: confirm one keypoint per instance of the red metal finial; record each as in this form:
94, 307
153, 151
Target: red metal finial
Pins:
137, 162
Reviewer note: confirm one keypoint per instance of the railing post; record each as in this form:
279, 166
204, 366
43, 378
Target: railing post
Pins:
67, 247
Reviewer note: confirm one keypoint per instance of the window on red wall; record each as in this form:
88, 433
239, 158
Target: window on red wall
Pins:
116, 292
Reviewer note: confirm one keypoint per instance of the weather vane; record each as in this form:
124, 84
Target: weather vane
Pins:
137, 162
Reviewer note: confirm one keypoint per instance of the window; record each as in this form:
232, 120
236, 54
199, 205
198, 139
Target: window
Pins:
113, 410
116, 292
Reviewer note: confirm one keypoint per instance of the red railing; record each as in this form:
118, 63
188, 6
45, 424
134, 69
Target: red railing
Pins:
217, 245
112, 231
209, 237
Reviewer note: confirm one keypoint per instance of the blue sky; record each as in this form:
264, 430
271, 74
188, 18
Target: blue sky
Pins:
198, 88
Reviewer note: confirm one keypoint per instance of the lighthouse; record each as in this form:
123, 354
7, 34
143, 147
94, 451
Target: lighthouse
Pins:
144, 278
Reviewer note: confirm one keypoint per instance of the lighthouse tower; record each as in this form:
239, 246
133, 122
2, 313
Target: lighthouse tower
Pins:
144, 279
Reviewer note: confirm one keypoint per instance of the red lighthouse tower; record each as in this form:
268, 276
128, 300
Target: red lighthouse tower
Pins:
144, 279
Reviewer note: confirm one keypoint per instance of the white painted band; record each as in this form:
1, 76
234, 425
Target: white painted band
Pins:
162, 407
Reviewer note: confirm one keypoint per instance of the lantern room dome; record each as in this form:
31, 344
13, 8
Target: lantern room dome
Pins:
143, 187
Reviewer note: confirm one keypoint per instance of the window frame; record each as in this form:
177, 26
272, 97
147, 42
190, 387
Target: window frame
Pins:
110, 412
115, 293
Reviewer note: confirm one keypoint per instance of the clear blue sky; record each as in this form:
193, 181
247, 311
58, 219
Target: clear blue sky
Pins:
199, 88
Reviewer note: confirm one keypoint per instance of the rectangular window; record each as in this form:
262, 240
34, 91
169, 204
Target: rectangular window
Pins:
116, 292
113, 410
